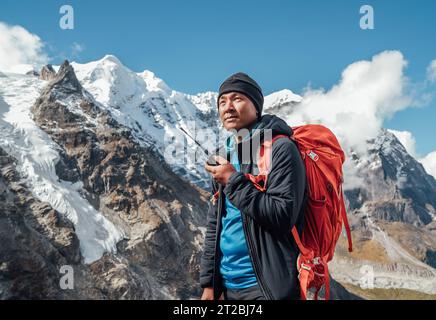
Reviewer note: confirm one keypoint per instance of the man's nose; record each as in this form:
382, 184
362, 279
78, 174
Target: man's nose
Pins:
229, 106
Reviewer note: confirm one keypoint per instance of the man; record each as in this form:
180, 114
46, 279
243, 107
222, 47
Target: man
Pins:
249, 252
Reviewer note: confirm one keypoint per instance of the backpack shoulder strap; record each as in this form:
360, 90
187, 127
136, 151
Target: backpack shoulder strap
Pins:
264, 164
306, 255
265, 154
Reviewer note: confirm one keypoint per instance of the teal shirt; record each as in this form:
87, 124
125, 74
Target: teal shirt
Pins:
236, 267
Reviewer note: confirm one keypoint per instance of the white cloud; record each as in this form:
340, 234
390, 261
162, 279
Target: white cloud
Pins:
368, 93
19, 48
431, 71
354, 109
77, 48
429, 163
407, 140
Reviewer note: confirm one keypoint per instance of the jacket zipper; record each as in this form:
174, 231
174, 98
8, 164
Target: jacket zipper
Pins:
217, 255
256, 268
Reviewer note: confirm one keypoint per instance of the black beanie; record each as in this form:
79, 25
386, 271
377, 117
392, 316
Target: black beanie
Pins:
241, 82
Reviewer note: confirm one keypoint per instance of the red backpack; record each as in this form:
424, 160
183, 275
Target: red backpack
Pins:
325, 210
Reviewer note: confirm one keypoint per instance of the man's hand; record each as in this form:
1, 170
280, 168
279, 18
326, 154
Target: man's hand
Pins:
208, 294
222, 172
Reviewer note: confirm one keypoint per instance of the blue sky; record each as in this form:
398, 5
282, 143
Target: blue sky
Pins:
194, 44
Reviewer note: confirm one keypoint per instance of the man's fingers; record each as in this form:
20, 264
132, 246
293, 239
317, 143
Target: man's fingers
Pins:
210, 169
207, 167
220, 159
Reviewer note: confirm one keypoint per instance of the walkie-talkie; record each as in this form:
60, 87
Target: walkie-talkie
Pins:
210, 161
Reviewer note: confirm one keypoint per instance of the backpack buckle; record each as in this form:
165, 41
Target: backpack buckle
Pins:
305, 267
312, 155
214, 198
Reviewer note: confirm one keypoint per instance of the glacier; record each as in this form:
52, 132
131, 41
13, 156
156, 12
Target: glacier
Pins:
37, 156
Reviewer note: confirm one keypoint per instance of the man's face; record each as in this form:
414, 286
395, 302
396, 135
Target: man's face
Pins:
236, 111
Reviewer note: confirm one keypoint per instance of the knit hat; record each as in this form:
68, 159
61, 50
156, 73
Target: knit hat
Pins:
241, 82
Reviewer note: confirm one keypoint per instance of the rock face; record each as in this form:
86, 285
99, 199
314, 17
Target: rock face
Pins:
47, 72
35, 241
38, 242
158, 212
397, 188
392, 219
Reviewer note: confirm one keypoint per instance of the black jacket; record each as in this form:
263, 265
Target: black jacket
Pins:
267, 217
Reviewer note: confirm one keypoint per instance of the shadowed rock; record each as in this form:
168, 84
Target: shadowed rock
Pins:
47, 73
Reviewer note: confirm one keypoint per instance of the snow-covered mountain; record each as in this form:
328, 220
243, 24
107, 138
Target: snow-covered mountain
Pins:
154, 112
137, 224
393, 217
38, 155
91, 143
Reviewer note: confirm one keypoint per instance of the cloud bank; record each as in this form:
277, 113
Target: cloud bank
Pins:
431, 71
355, 108
368, 93
19, 48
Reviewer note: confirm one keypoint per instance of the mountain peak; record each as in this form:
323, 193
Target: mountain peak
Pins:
154, 83
47, 72
282, 97
111, 58
66, 79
